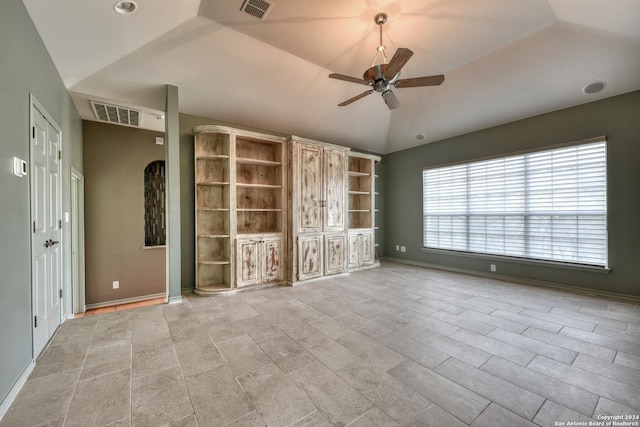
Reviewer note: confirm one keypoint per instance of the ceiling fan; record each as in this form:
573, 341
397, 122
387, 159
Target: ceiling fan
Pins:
386, 74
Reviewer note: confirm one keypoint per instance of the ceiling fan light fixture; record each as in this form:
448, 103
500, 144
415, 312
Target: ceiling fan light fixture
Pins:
390, 99
125, 7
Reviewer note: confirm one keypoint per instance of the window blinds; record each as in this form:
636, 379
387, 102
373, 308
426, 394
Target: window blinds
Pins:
546, 205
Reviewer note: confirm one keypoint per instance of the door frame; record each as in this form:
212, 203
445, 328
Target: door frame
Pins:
34, 104
77, 242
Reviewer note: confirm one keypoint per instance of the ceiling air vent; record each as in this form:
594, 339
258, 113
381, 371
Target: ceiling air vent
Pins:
116, 114
257, 8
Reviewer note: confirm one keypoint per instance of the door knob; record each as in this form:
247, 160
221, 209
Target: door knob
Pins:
49, 243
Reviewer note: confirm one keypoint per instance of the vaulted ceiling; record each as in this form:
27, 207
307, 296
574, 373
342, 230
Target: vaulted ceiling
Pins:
503, 60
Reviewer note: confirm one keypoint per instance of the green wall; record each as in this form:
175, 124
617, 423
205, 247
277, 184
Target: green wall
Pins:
617, 118
25, 68
114, 159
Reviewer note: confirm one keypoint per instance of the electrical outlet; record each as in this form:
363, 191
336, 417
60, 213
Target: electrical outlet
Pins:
116, 284
403, 249
493, 267
397, 247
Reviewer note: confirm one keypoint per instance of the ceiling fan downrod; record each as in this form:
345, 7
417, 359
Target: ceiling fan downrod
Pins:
380, 19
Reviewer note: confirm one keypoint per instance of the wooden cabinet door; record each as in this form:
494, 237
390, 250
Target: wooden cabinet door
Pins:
272, 259
335, 256
361, 249
335, 189
247, 262
366, 248
309, 184
354, 252
310, 256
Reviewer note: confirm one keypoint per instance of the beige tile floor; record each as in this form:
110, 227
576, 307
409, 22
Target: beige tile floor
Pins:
398, 345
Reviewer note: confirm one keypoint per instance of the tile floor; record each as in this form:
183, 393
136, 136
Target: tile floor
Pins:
398, 345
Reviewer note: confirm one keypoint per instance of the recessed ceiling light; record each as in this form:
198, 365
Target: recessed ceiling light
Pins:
594, 87
125, 7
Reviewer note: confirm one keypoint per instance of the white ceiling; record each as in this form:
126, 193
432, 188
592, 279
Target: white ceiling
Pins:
503, 60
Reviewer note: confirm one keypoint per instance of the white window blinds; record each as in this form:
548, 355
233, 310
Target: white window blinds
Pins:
546, 205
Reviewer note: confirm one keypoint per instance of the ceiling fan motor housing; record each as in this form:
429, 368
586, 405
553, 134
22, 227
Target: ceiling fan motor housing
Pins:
376, 78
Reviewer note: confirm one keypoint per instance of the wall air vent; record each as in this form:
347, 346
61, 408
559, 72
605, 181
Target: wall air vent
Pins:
257, 8
116, 114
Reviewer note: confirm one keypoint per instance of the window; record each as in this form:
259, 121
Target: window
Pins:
154, 203
545, 205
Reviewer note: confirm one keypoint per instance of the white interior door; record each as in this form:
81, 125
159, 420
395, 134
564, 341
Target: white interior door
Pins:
46, 222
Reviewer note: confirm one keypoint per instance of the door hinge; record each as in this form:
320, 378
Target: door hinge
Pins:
60, 223
34, 226
59, 154
33, 132
35, 321
60, 293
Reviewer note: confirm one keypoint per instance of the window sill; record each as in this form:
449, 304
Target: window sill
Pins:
525, 261
154, 247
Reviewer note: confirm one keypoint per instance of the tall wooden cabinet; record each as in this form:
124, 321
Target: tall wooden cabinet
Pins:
270, 210
240, 199
362, 210
318, 199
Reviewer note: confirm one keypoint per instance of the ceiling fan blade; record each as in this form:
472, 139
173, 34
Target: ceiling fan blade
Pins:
355, 98
391, 100
348, 78
400, 58
420, 81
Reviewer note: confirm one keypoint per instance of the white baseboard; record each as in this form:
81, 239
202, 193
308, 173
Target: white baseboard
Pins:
175, 300
13, 392
125, 300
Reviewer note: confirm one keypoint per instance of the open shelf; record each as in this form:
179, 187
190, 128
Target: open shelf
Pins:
362, 210
360, 166
212, 196
212, 157
359, 201
258, 149
213, 276
212, 222
211, 145
259, 221
266, 186
240, 181
256, 162
212, 170
213, 249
